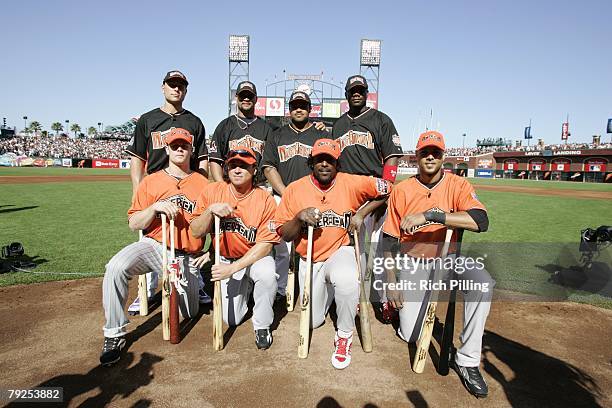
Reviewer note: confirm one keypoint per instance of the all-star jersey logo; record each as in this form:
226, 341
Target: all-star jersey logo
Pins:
237, 226
158, 139
183, 202
383, 187
427, 223
247, 141
286, 152
272, 226
355, 137
212, 146
331, 219
396, 140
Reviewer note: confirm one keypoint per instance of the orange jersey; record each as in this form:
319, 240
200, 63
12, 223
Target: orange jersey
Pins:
337, 205
161, 186
449, 195
249, 223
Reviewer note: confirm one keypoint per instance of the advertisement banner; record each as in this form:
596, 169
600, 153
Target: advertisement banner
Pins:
8, 160
537, 165
528, 133
331, 109
260, 107
105, 163
315, 111
609, 126
564, 131
344, 107
511, 165
25, 161
595, 165
372, 100
67, 162
39, 162
470, 173
124, 163
275, 106
560, 165
485, 173
485, 163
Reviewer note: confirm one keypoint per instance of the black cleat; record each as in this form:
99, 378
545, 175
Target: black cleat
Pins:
263, 338
472, 379
111, 353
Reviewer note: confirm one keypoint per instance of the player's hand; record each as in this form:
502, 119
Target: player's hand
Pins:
395, 298
222, 271
356, 223
220, 209
198, 262
310, 216
319, 125
411, 221
166, 207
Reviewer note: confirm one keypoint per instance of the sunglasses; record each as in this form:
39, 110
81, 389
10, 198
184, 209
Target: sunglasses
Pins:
175, 146
176, 84
241, 153
436, 153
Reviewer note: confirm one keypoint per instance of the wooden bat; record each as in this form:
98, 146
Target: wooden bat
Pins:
217, 305
175, 335
143, 293
305, 304
430, 317
364, 307
290, 290
165, 283
446, 346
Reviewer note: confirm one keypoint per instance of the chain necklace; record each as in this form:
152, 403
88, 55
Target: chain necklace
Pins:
244, 122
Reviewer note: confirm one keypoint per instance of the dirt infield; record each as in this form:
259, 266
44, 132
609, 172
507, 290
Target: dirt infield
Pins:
599, 195
535, 354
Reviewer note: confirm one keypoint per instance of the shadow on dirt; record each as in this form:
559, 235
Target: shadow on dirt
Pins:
594, 279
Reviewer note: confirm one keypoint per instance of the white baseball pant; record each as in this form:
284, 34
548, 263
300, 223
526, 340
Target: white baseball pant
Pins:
370, 245
282, 252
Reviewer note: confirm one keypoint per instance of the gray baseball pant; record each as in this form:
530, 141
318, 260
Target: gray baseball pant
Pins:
136, 259
282, 251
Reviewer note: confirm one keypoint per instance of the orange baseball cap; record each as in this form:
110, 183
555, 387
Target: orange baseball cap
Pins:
242, 153
326, 146
179, 134
431, 138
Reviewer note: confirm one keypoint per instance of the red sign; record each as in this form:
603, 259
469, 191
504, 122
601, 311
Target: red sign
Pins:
260, 107
560, 165
315, 111
537, 165
511, 165
105, 163
344, 107
595, 165
39, 163
372, 100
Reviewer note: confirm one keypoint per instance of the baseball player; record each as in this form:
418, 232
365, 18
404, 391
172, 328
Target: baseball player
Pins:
370, 146
171, 191
246, 241
285, 161
327, 199
420, 210
148, 152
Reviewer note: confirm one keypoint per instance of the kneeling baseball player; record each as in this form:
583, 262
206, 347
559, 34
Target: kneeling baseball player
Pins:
173, 192
420, 210
246, 240
333, 203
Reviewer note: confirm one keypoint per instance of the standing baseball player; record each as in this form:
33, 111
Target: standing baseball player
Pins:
327, 200
246, 241
148, 152
421, 208
285, 160
173, 192
370, 146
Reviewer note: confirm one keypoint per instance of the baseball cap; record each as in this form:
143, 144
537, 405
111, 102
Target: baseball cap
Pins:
179, 134
175, 75
326, 146
355, 80
299, 96
431, 138
242, 153
246, 86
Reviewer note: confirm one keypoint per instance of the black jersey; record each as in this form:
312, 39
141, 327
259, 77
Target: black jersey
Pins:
288, 149
148, 139
233, 132
366, 142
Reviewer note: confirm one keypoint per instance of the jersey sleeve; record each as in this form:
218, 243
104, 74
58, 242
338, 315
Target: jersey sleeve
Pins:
138, 145
266, 231
202, 202
467, 198
285, 211
368, 188
389, 140
201, 150
143, 198
395, 209
218, 145
270, 156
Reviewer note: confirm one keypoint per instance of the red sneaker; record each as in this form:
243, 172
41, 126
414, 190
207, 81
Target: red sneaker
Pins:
342, 354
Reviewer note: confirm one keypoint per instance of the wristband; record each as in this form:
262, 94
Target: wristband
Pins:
435, 216
389, 173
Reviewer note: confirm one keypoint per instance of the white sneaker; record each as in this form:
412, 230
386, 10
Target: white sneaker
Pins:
341, 358
134, 308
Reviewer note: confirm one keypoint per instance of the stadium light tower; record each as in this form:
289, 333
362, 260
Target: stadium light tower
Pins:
238, 65
25, 123
369, 63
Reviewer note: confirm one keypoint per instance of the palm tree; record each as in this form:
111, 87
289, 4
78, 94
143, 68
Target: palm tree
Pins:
75, 128
57, 126
91, 131
35, 127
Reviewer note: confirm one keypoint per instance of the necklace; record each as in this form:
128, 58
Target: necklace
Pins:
246, 123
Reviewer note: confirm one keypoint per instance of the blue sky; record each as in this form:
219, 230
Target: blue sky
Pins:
484, 67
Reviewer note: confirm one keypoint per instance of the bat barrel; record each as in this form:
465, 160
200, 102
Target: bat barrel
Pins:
304, 337
143, 293
165, 282
364, 309
174, 319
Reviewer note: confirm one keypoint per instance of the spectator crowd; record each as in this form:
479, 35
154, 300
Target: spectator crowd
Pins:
64, 147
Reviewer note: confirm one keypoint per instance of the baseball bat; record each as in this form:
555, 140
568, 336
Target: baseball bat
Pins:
446, 347
143, 293
364, 308
165, 283
290, 289
217, 305
175, 335
430, 317
305, 305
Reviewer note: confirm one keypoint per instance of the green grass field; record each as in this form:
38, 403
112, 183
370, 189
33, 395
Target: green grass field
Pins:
72, 229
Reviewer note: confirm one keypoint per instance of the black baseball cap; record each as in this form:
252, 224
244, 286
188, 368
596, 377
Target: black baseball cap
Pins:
177, 75
299, 96
246, 86
355, 80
